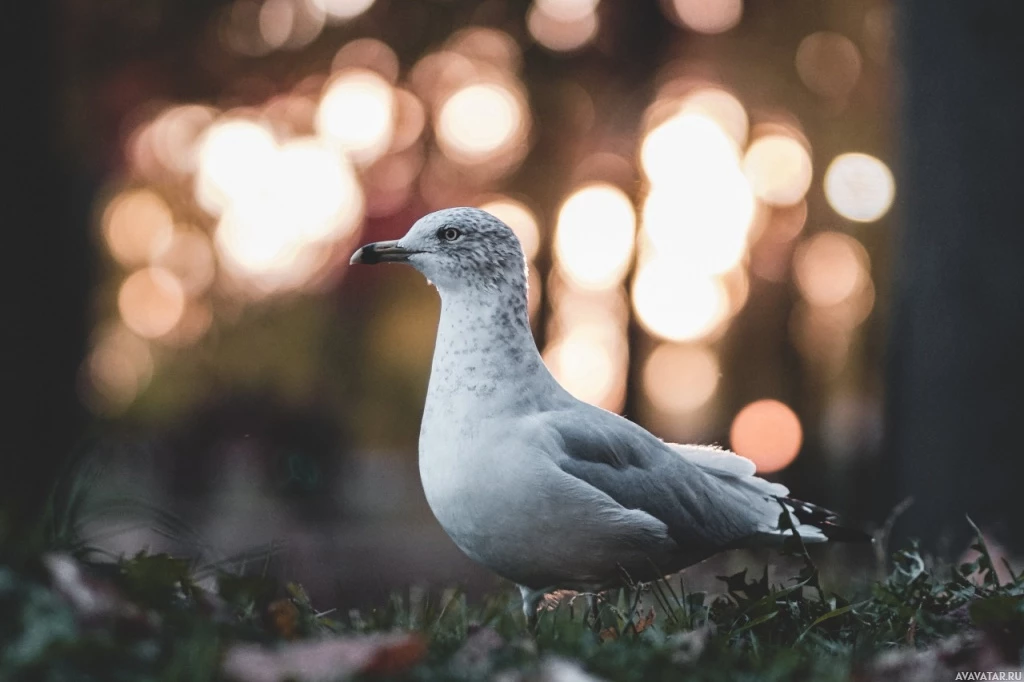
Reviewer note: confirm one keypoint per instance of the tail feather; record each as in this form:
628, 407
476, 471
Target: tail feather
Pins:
825, 521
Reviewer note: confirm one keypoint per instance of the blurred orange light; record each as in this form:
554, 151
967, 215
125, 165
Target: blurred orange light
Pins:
151, 302
830, 267
357, 113
709, 16
767, 432
344, 10
590, 363
677, 305
119, 366
560, 34
369, 54
594, 236
319, 193
276, 20
686, 148
521, 219
479, 122
135, 224
859, 187
236, 158
175, 135
679, 379
567, 10
828, 63
721, 107
189, 256
701, 226
779, 169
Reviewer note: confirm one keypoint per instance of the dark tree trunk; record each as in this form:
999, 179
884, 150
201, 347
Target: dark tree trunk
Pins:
45, 263
956, 366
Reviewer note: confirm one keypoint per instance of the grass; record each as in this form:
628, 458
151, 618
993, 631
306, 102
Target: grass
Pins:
72, 614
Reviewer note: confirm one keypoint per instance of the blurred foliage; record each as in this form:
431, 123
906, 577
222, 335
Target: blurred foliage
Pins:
153, 617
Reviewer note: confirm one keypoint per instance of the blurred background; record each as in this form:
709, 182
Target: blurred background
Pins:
786, 227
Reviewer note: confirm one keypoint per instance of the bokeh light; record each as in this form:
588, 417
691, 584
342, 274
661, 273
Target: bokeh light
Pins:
567, 10
779, 169
702, 226
368, 54
708, 16
357, 113
479, 122
680, 378
151, 302
767, 432
594, 235
830, 268
137, 223
558, 33
674, 304
720, 106
590, 362
859, 187
686, 148
520, 218
189, 256
344, 10
828, 63
119, 367
175, 135
236, 159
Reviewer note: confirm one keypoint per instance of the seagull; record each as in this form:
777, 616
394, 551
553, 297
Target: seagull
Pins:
545, 490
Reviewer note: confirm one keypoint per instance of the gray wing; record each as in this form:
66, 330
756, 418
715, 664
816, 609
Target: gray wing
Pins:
708, 499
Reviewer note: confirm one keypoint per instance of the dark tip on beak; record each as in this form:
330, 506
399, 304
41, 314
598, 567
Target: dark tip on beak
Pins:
380, 252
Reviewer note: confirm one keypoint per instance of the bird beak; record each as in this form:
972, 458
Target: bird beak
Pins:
381, 252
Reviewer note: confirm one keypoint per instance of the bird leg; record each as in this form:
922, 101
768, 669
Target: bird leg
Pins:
531, 600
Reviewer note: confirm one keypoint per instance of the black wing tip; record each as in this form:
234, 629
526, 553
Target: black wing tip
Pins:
825, 521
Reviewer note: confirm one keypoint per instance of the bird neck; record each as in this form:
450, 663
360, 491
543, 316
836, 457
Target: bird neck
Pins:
484, 342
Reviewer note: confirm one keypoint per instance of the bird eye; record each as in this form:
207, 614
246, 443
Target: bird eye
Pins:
449, 234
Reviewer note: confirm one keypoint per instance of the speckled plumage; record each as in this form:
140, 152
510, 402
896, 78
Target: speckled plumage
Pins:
545, 490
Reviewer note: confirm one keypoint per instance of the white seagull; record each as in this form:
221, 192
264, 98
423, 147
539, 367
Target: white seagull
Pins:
544, 489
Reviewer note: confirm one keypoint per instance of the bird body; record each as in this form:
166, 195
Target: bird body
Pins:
543, 489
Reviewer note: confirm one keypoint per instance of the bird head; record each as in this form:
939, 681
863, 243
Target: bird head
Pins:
457, 249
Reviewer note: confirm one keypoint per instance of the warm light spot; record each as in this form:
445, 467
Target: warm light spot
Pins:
560, 34
236, 158
594, 236
521, 219
828, 63
708, 16
368, 54
194, 323
572, 307
410, 119
318, 194
480, 122
535, 292
567, 10
830, 267
767, 432
488, 46
701, 226
677, 305
135, 224
189, 256
679, 379
119, 366
151, 302
276, 20
175, 135
276, 238
779, 169
859, 187
686, 148
308, 23
721, 107
590, 363
343, 10
357, 113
